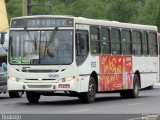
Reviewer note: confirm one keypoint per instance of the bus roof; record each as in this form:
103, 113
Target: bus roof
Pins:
87, 21
115, 24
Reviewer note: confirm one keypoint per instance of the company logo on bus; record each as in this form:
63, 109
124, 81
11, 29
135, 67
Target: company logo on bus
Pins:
41, 22
53, 76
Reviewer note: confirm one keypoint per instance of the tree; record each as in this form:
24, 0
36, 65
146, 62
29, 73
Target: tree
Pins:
95, 9
121, 10
14, 8
133, 11
150, 13
157, 14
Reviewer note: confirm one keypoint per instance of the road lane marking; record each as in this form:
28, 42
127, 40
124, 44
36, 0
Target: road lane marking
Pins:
140, 118
76, 111
146, 117
137, 103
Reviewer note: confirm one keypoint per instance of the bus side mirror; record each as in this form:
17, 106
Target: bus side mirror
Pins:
2, 38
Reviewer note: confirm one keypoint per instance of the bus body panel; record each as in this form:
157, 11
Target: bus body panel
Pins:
90, 65
148, 69
86, 69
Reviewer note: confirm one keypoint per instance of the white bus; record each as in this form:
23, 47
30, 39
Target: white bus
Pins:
75, 56
3, 67
159, 54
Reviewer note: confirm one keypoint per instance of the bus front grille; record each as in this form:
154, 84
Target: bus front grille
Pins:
39, 86
49, 79
42, 79
40, 71
31, 79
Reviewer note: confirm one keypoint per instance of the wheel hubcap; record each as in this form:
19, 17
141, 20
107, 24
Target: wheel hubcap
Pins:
91, 90
136, 88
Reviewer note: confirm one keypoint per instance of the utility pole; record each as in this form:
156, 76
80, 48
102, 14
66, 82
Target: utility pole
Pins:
27, 6
24, 7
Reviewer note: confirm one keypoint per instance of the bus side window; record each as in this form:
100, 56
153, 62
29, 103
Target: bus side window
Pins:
145, 43
81, 46
152, 41
115, 41
126, 42
137, 43
105, 40
95, 40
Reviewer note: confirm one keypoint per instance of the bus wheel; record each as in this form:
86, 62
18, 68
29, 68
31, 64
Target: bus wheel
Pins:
150, 87
33, 97
15, 94
124, 94
136, 85
89, 97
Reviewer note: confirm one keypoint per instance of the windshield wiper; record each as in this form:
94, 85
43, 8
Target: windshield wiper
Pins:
35, 44
52, 36
10, 46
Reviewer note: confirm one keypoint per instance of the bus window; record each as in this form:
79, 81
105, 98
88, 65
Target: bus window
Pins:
126, 42
137, 43
152, 41
95, 40
115, 41
81, 46
145, 43
105, 41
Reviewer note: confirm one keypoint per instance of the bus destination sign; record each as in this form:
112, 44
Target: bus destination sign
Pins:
41, 22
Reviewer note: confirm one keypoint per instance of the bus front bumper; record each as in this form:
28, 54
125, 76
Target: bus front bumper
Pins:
41, 86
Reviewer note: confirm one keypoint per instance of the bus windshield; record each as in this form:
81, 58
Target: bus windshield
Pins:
54, 47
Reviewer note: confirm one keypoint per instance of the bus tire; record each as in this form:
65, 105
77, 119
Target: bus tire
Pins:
150, 87
124, 94
32, 97
136, 86
15, 94
89, 97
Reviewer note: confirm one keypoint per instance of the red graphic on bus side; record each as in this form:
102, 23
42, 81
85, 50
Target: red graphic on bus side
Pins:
116, 73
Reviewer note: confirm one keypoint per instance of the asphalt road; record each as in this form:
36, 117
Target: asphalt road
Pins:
147, 104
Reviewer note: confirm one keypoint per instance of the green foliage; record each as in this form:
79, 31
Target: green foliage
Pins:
14, 8
40, 10
133, 11
95, 9
122, 10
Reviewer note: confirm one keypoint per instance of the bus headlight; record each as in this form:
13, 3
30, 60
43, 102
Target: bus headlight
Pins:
68, 79
14, 79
